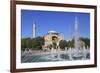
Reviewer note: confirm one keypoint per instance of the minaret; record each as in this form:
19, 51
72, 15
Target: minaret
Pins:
34, 29
76, 33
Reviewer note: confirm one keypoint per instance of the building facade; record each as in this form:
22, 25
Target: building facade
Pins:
52, 36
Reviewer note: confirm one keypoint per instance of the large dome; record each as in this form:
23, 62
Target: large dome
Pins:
52, 32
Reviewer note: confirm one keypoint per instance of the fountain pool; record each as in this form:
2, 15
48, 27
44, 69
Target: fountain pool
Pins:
56, 56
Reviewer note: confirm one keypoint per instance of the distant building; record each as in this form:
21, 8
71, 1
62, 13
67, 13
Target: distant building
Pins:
52, 36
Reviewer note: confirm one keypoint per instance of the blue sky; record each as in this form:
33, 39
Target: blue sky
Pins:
62, 22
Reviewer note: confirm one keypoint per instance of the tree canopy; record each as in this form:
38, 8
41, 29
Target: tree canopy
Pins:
32, 43
62, 44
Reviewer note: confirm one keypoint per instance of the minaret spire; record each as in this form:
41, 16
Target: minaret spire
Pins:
34, 29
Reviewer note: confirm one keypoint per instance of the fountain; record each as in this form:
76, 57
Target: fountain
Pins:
70, 53
76, 53
55, 54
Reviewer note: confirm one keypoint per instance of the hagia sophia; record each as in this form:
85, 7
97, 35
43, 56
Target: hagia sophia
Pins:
50, 37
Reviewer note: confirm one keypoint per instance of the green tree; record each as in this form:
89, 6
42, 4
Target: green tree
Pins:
26, 43
29, 43
62, 44
23, 46
37, 43
54, 45
72, 43
86, 41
